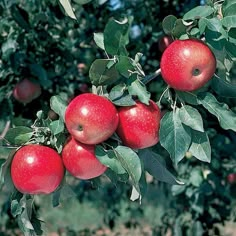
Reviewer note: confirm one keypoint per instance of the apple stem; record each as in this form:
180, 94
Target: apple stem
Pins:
162, 95
6, 128
149, 78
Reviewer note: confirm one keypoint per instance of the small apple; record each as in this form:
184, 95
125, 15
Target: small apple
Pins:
52, 115
139, 125
231, 178
37, 169
164, 42
25, 91
90, 118
80, 160
187, 65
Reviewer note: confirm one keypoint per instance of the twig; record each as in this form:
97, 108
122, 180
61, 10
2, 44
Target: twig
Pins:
149, 78
6, 128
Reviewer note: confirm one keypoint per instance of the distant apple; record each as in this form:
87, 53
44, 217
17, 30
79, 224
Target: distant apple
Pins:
187, 65
90, 118
164, 42
25, 91
139, 125
80, 160
231, 178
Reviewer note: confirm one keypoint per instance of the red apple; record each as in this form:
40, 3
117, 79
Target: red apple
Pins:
231, 178
139, 125
25, 91
37, 169
91, 118
187, 65
164, 42
80, 160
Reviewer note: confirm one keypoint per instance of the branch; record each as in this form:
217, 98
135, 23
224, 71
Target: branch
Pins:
149, 78
6, 128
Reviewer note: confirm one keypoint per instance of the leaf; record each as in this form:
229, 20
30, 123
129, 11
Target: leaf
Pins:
155, 165
198, 12
191, 117
116, 36
66, 4
57, 126
38, 71
109, 159
99, 40
196, 177
200, 146
174, 137
225, 116
131, 163
126, 66
188, 97
229, 21
19, 135
101, 73
58, 105
168, 24
82, 2
137, 88
223, 87
229, 8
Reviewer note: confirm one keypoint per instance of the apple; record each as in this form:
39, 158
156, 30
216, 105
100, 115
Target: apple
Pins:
231, 178
139, 125
90, 118
25, 91
37, 169
187, 65
80, 160
164, 42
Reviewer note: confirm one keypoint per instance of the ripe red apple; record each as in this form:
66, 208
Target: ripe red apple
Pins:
25, 91
164, 42
91, 118
37, 169
139, 125
187, 65
231, 178
80, 160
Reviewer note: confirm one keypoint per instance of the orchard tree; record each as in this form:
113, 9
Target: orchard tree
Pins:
110, 116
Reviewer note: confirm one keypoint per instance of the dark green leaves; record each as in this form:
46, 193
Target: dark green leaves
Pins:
225, 116
66, 4
58, 105
116, 37
198, 12
174, 136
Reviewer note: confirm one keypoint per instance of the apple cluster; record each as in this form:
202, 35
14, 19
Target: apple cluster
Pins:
90, 120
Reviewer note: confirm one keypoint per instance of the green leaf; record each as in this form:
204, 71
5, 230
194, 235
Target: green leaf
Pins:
131, 163
223, 87
101, 73
188, 97
200, 146
82, 2
196, 177
19, 135
198, 12
66, 4
57, 126
41, 74
137, 88
116, 36
126, 66
168, 24
58, 105
191, 117
174, 137
229, 21
109, 159
155, 165
99, 40
225, 116
229, 8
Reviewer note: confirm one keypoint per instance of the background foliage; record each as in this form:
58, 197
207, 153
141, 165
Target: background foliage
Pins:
38, 41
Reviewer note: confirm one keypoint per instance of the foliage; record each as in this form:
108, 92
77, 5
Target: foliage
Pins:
113, 53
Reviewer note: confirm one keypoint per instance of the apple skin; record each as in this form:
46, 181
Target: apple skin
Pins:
164, 42
90, 118
231, 178
25, 91
139, 125
80, 160
37, 169
187, 65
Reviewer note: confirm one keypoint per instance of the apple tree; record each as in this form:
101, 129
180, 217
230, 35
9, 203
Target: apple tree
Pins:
86, 99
